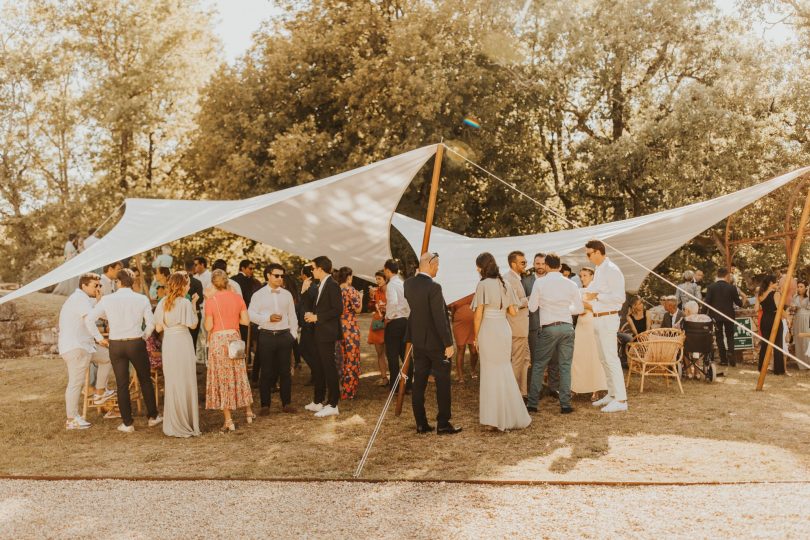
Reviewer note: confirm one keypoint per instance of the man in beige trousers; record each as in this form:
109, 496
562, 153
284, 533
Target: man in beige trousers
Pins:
521, 357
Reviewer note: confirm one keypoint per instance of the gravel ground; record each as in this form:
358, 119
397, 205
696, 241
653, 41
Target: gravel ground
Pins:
233, 509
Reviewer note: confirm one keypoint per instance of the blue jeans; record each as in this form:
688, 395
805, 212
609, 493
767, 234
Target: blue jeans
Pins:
556, 341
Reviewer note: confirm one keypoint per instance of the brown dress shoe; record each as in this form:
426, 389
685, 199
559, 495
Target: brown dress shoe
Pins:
288, 409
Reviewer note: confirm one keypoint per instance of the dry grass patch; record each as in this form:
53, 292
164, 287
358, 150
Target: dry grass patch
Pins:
724, 432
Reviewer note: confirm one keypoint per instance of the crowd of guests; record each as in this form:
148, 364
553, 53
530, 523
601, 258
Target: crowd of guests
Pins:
547, 330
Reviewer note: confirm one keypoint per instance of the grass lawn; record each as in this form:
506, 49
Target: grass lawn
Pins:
720, 432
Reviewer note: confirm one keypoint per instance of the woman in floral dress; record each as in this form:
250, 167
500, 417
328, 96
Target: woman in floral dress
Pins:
349, 344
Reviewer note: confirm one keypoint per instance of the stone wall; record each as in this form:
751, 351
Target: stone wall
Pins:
25, 337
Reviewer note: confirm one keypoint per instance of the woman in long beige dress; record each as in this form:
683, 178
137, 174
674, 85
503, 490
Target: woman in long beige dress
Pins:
175, 316
501, 405
587, 375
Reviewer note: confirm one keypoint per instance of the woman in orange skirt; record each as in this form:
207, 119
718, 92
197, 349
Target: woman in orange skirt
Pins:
464, 334
227, 387
376, 336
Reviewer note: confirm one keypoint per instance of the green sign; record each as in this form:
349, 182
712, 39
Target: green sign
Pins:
742, 339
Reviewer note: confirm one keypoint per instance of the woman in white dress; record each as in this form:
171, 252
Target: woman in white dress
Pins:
175, 316
501, 405
587, 375
67, 287
801, 322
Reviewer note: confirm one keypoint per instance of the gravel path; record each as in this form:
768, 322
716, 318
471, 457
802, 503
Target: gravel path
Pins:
225, 509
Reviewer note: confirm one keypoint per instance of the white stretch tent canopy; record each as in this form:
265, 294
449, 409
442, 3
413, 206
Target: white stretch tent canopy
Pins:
346, 217
647, 239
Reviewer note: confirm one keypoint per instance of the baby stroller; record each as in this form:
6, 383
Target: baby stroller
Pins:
697, 348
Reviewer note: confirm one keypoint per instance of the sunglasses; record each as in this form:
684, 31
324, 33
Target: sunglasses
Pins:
434, 255
277, 275
589, 253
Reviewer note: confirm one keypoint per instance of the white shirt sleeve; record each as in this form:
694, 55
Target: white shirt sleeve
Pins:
90, 319
149, 318
534, 298
255, 308
292, 316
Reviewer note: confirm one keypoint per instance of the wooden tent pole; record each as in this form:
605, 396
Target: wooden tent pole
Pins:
431, 210
797, 245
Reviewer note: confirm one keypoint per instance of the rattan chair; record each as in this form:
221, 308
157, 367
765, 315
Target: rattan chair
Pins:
656, 353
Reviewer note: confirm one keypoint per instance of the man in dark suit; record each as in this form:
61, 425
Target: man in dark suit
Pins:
326, 316
195, 287
309, 295
723, 296
674, 316
249, 285
553, 368
428, 331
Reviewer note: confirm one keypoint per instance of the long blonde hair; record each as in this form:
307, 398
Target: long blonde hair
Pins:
176, 285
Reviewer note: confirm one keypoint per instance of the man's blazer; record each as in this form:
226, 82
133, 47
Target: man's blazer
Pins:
520, 322
722, 296
328, 309
428, 325
528, 284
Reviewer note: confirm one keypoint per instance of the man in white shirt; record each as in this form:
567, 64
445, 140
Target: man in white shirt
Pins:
557, 297
396, 316
521, 358
203, 274
131, 323
272, 309
108, 277
77, 348
605, 296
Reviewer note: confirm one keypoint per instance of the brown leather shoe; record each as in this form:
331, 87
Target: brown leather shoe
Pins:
288, 409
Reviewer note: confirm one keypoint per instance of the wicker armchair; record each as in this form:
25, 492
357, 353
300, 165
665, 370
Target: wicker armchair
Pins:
656, 353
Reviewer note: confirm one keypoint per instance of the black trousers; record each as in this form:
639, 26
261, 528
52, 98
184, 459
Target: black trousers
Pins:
425, 363
307, 348
196, 331
273, 353
395, 348
765, 331
122, 354
325, 376
722, 327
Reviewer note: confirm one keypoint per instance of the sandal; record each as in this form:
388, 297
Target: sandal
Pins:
249, 417
228, 426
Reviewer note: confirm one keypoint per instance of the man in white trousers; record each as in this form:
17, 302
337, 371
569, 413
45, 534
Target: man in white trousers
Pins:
605, 296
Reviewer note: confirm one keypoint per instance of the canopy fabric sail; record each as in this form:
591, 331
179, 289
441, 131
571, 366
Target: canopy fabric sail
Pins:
346, 217
646, 239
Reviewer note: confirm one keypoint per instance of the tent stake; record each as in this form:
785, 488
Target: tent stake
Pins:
777, 323
431, 210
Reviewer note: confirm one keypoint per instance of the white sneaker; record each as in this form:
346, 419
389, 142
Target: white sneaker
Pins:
314, 407
327, 411
615, 406
155, 421
602, 402
101, 398
126, 429
75, 424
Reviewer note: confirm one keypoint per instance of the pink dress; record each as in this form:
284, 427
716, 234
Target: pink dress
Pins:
227, 385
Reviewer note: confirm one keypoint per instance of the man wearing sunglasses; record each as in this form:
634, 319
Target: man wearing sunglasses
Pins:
272, 309
77, 348
605, 296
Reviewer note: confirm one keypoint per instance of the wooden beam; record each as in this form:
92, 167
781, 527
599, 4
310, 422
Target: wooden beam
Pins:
777, 323
431, 211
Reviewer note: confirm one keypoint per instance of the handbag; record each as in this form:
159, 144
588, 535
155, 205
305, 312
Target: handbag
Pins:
377, 324
236, 347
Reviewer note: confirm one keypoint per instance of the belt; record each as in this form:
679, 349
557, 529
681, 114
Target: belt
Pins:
275, 332
606, 313
558, 323
127, 339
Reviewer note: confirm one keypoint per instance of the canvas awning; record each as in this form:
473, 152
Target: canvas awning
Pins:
346, 217
647, 239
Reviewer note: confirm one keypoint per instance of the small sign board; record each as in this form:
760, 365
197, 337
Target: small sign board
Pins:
742, 339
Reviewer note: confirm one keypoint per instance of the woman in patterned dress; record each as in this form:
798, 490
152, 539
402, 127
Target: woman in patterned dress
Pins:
376, 303
227, 385
349, 343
